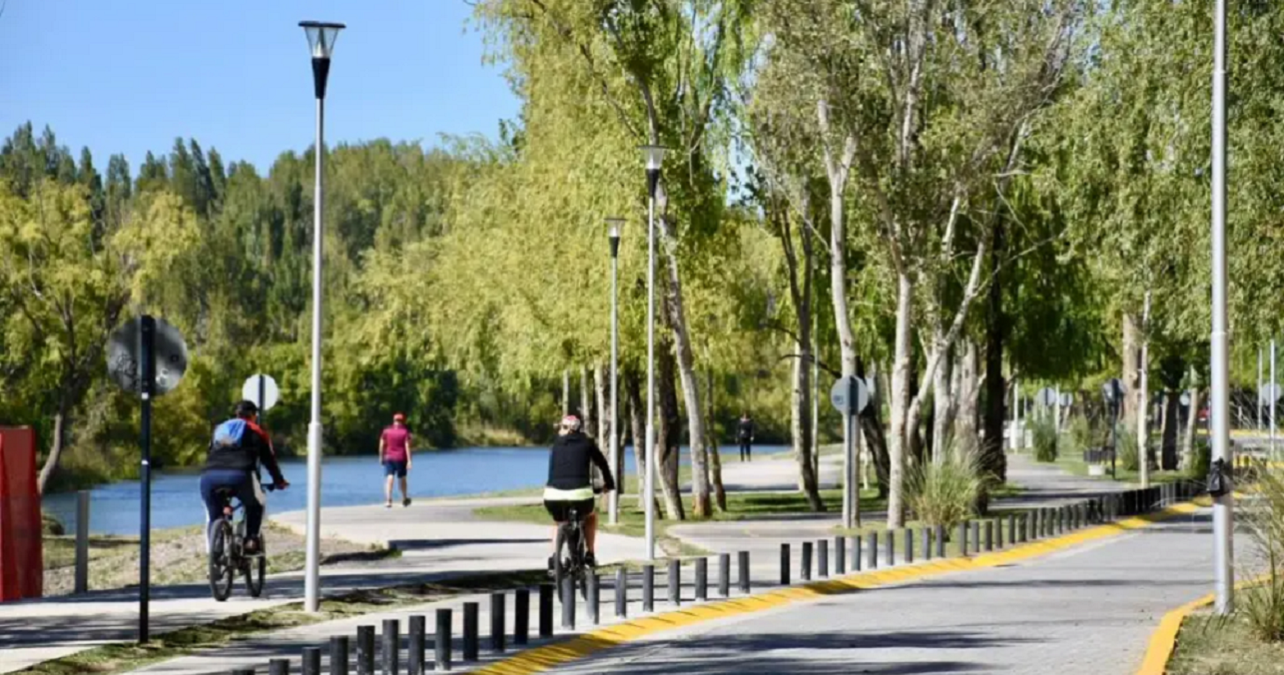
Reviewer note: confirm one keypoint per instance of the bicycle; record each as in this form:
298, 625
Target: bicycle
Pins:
570, 539
227, 554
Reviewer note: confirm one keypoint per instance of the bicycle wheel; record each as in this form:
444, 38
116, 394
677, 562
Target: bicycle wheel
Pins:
581, 567
221, 570
256, 570
560, 557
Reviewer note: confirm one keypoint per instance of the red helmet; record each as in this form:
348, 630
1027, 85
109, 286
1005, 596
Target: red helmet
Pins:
399, 417
571, 423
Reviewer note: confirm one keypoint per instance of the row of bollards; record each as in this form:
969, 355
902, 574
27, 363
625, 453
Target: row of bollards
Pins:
390, 642
855, 552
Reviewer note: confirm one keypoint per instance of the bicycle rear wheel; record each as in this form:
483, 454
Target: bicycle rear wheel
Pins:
256, 570
222, 573
561, 556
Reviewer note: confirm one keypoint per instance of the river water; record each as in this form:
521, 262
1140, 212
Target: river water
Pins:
345, 481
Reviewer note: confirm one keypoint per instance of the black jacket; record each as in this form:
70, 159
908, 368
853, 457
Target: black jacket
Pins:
746, 430
569, 463
254, 450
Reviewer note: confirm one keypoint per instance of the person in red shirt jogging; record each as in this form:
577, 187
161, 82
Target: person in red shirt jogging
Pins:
394, 455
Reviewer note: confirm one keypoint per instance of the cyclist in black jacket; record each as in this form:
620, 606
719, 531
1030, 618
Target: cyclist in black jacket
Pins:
570, 481
239, 447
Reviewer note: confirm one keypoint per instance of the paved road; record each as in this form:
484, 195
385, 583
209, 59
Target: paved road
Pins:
1086, 611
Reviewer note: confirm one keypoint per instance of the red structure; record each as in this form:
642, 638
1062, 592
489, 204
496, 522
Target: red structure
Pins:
22, 567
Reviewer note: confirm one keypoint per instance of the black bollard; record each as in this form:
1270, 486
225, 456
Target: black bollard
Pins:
871, 556
1012, 536
891, 548
568, 602
278, 667
545, 610
497, 621
701, 579
675, 582
856, 556
938, 533
926, 535
822, 558
471, 612
593, 601
391, 647
784, 564
365, 650
724, 575
441, 640
311, 661
521, 616
840, 556
415, 645
989, 535
621, 592
804, 568
742, 566
963, 538
648, 588
338, 655
976, 536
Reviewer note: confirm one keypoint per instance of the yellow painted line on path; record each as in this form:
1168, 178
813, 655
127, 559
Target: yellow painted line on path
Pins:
550, 656
1163, 642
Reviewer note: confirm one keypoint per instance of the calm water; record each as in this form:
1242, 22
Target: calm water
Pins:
345, 481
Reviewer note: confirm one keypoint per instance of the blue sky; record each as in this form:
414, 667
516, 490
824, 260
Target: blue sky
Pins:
131, 75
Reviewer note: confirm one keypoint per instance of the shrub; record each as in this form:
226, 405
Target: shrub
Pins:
1263, 605
1078, 436
1199, 461
1045, 439
945, 491
1127, 446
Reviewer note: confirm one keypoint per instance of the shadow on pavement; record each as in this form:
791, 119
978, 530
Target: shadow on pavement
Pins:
434, 544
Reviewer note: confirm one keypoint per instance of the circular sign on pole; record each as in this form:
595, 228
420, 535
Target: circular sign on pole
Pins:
1047, 397
124, 357
1185, 399
271, 394
1067, 400
840, 395
1113, 390
1269, 393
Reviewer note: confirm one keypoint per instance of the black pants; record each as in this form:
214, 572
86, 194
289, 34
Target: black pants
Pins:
745, 449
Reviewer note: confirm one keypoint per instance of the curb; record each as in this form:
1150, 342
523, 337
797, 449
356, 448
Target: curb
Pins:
1163, 642
549, 656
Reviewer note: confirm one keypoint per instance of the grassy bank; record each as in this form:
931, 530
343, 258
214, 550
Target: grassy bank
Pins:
1211, 645
178, 556
1076, 466
124, 657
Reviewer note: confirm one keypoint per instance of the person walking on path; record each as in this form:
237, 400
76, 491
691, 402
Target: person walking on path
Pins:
744, 432
394, 455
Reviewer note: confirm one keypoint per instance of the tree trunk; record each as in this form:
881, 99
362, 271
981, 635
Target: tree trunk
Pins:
1129, 376
898, 443
801, 419
586, 404
1143, 398
55, 449
715, 454
943, 398
604, 413
668, 431
701, 505
873, 431
566, 391
967, 392
1172, 411
1192, 424
994, 462
632, 382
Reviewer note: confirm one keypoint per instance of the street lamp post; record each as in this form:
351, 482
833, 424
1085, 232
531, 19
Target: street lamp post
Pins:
1223, 506
654, 155
613, 233
321, 37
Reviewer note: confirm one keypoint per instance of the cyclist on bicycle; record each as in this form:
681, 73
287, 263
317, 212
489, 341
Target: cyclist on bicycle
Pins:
239, 447
570, 482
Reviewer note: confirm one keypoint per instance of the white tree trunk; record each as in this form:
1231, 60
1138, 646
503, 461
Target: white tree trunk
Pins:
566, 391
55, 451
898, 441
586, 403
604, 411
1192, 425
943, 400
1143, 398
967, 393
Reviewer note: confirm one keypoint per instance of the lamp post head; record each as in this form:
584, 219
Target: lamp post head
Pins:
654, 155
613, 225
321, 37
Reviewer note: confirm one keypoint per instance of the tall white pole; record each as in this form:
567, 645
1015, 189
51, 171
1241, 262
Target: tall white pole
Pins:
1223, 507
1259, 389
312, 578
649, 491
614, 507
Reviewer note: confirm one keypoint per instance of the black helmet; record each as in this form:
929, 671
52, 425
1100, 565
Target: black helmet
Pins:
246, 409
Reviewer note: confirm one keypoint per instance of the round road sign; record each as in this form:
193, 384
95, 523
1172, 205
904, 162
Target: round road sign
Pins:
271, 394
124, 356
840, 395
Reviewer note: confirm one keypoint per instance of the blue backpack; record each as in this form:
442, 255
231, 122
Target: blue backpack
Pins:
228, 434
